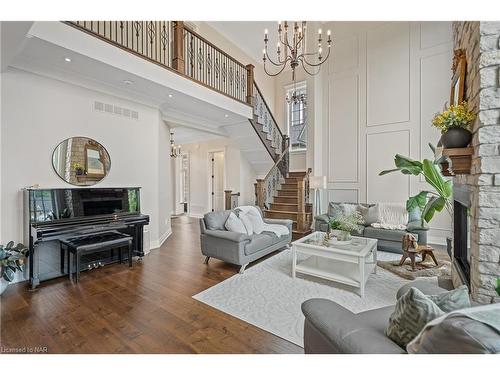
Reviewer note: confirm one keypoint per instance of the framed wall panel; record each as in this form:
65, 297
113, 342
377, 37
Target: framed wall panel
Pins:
388, 74
343, 161
343, 195
380, 151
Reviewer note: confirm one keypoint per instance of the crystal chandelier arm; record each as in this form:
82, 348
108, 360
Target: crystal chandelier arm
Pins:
273, 75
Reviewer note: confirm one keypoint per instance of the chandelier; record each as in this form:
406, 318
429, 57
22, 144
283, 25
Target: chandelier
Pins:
291, 48
296, 98
175, 151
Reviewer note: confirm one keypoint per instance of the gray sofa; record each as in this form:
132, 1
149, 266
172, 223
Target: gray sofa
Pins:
237, 248
388, 240
330, 328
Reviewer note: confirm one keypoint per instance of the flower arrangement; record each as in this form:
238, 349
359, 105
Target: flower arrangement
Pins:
77, 166
453, 117
347, 223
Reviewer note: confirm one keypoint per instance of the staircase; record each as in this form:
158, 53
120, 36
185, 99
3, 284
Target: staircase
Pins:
281, 194
285, 205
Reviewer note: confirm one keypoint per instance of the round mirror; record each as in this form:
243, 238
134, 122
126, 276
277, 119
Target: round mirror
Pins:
81, 161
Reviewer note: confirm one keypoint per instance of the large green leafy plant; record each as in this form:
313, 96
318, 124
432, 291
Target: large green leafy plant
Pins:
429, 201
12, 260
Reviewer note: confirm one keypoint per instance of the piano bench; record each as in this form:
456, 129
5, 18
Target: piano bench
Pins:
94, 243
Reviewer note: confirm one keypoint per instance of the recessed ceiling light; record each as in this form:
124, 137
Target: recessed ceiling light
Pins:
128, 82
170, 95
67, 59
226, 115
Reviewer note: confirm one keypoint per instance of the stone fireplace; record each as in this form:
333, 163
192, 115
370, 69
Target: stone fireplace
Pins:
481, 42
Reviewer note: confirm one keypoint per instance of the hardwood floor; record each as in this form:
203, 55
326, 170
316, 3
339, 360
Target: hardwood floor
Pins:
146, 309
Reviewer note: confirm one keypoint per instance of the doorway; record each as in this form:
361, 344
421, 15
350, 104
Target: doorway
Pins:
216, 180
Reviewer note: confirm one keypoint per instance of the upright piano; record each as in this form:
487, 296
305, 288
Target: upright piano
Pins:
55, 214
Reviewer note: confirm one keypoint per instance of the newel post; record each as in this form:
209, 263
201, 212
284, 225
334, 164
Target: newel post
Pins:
250, 79
178, 47
301, 204
227, 199
259, 193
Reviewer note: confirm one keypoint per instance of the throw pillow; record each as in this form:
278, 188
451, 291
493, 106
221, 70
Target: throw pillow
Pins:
256, 220
413, 311
370, 214
234, 224
334, 210
247, 223
455, 299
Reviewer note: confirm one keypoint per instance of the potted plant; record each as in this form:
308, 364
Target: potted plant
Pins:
454, 123
78, 169
345, 224
11, 260
428, 201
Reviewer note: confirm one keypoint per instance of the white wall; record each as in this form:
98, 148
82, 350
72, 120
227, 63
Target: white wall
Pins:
39, 112
239, 175
381, 88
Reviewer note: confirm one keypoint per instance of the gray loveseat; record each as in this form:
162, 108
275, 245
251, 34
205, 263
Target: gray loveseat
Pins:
388, 240
237, 248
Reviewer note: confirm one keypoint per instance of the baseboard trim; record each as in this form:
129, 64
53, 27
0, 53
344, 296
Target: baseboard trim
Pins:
157, 244
435, 240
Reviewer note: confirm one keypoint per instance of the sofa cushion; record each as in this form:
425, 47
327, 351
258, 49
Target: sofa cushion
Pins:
261, 241
385, 234
216, 220
346, 332
412, 312
474, 330
455, 299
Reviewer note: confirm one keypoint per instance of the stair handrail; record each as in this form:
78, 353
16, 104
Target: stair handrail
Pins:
267, 187
268, 109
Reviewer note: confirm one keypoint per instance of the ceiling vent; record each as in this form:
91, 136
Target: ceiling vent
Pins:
116, 110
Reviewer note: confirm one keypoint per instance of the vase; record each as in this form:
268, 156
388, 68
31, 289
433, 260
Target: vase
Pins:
343, 235
456, 138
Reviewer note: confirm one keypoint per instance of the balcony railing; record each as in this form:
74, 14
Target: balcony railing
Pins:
173, 46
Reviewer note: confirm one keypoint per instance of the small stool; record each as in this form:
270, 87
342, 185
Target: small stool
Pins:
88, 244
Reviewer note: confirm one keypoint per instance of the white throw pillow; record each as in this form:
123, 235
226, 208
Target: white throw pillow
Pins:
247, 223
234, 224
256, 220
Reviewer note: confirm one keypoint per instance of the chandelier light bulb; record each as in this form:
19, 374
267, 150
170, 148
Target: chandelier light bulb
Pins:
328, 33
319, 31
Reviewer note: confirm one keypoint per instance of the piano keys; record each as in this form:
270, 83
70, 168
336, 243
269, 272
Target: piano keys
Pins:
55, 214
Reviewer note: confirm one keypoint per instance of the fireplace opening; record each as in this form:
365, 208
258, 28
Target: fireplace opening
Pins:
461, 231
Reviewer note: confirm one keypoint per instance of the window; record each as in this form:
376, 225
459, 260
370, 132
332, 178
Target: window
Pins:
297, 121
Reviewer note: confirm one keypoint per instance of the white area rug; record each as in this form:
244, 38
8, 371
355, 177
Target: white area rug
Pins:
266, 296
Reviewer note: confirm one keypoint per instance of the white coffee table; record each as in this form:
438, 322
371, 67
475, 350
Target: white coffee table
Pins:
349, 264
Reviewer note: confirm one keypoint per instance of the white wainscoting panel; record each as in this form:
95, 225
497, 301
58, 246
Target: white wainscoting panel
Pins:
388, 72
380, 151
345, 53
343, 195
434, 33
343, 130
432, 91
